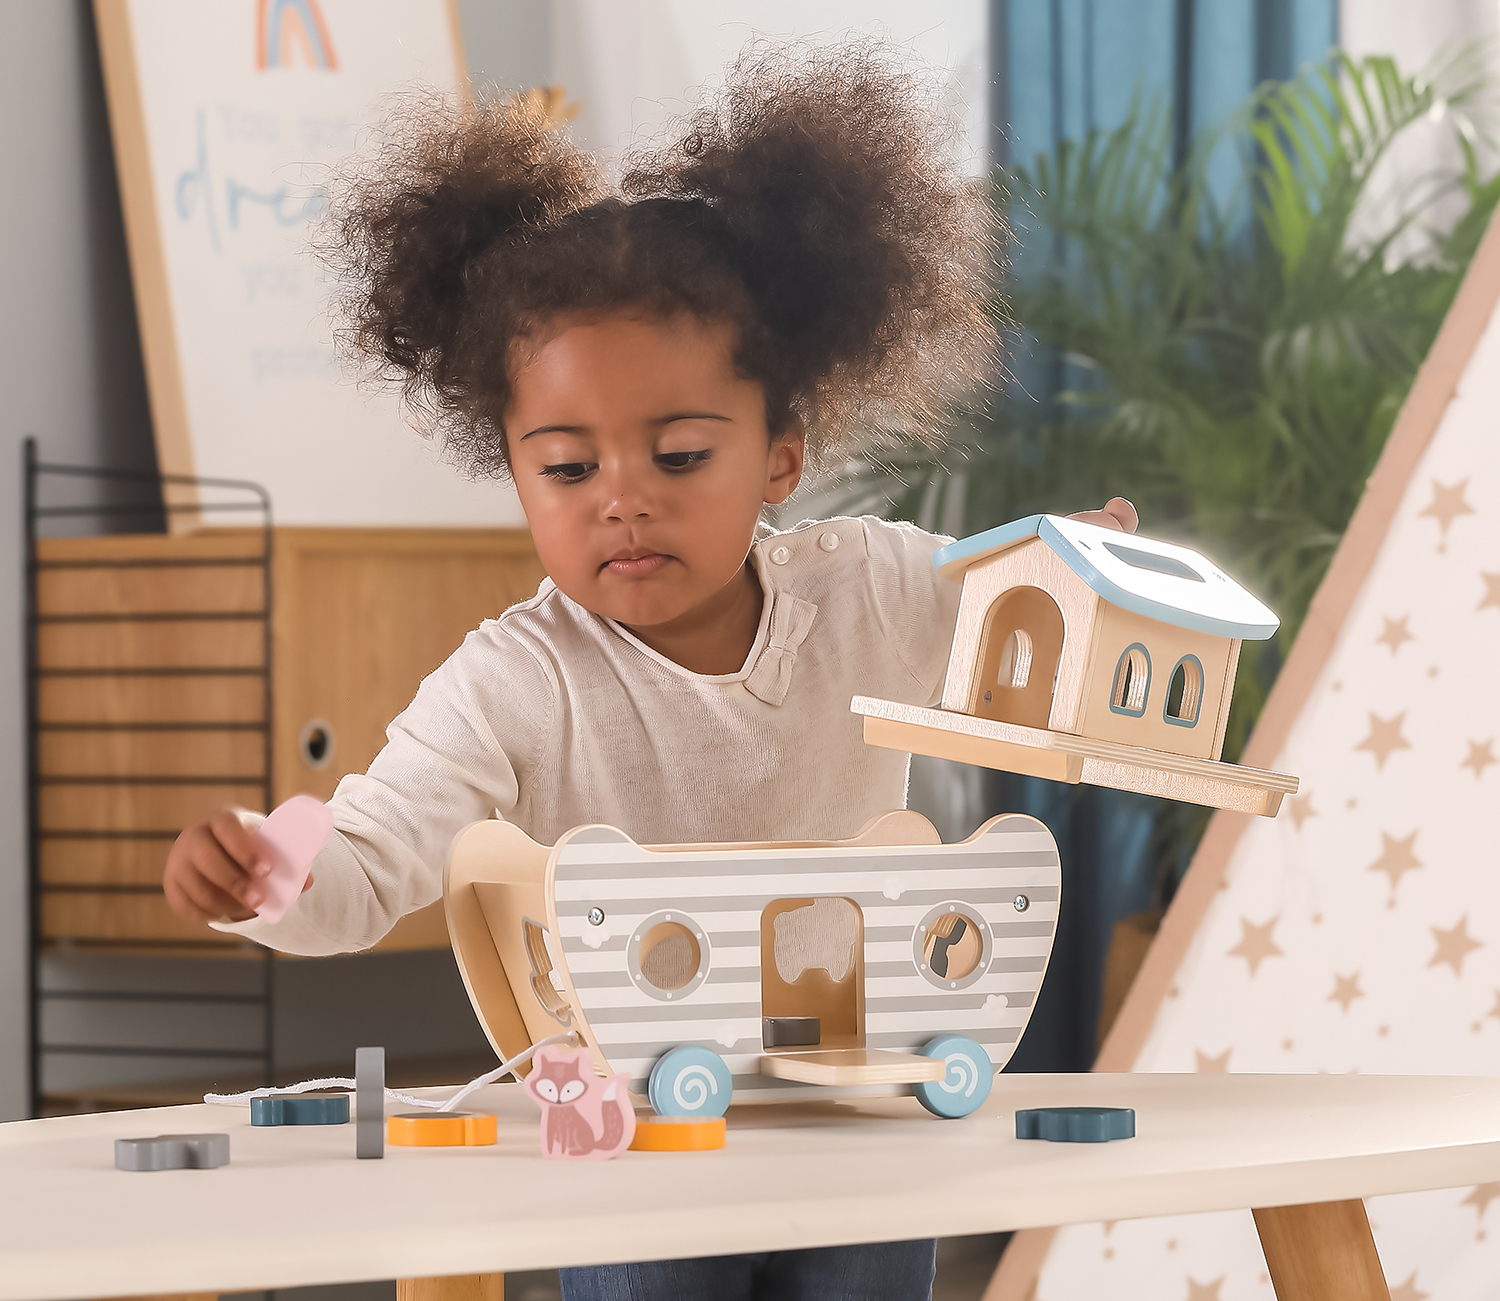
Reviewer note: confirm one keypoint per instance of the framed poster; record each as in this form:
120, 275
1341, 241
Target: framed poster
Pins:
227, 118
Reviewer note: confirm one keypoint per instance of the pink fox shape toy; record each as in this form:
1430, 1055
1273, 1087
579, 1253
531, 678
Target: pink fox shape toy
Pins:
583, 1117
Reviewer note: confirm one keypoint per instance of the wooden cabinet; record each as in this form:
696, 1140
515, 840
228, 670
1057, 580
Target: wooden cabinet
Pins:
361, 617
177, 674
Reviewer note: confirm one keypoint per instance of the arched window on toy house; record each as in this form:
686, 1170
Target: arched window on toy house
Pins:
1132, 681
1023, 641
1184, 693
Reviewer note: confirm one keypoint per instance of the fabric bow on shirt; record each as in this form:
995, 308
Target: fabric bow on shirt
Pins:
791, 621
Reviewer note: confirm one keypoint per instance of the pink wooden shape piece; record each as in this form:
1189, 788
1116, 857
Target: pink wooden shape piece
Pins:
292, 837
584, 1118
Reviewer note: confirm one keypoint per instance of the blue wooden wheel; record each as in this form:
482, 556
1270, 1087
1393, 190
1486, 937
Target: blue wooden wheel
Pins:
690, 1081
966, 1085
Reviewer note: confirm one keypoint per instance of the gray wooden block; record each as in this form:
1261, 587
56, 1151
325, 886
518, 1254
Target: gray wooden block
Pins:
790, 1031
369, 1099
172, 1152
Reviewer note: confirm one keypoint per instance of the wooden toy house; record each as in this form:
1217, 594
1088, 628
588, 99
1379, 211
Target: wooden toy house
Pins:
1086, 654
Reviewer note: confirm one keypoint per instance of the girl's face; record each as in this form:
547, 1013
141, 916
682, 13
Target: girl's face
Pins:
642, 460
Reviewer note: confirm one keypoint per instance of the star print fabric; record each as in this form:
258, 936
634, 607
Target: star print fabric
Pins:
1360, 930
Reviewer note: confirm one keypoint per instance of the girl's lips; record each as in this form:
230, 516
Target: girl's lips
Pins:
635, 566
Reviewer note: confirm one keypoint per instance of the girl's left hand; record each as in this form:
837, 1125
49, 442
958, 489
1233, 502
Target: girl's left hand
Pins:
1116, 514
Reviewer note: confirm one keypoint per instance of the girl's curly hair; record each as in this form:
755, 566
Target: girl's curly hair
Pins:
812, 203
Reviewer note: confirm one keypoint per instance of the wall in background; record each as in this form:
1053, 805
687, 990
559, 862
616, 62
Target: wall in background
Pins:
70, 370
632, 64
507, 43
1414, 35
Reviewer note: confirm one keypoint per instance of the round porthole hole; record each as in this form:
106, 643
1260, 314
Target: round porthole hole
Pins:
668, 956
315, 743
952, 946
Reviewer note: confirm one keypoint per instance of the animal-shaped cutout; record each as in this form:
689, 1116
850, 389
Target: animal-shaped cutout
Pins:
953, 946
544, 979
942, 943
584, 1117
823, 934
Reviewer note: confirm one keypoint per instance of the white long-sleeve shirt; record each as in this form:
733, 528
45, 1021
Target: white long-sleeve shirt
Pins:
551, 717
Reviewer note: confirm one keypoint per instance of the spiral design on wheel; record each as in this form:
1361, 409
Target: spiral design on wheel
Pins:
962, 1075
693, 1087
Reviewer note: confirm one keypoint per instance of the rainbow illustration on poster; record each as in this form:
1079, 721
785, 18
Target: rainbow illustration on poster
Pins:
288, 32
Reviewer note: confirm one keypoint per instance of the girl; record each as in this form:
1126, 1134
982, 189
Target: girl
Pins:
652, 368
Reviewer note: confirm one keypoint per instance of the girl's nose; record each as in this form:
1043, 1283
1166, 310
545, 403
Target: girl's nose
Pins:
627, 494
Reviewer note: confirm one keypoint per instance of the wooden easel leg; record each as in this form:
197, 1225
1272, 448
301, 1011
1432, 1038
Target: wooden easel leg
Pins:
1322, 1252
461, 1287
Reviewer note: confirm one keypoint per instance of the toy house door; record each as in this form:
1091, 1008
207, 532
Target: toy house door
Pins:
1020, 650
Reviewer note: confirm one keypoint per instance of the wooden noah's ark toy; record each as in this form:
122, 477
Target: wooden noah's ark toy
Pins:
888, 963
1086, 654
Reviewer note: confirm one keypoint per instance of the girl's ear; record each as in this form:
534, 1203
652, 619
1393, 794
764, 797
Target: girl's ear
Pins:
784, 466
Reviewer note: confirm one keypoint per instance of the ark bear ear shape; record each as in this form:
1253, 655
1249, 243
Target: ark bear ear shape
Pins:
596, 836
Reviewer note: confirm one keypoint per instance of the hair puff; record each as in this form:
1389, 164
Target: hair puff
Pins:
812, 201
861, 245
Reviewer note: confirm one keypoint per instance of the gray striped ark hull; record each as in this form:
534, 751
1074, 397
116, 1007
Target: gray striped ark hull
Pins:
721, 895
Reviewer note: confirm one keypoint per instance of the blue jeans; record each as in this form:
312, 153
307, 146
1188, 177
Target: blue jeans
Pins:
885, 1271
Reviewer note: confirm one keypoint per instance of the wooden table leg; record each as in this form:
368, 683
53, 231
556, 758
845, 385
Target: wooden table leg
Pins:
176, 1296
461, 1287
1321, 1252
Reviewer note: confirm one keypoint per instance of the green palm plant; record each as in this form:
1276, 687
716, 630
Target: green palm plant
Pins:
1232, 362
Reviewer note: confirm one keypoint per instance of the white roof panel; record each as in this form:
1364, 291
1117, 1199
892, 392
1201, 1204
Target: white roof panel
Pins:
1157, 579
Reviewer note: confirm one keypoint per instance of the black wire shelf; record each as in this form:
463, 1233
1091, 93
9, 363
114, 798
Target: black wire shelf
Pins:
149, 498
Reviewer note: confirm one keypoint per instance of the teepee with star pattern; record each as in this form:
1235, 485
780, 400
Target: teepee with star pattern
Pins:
1360, 930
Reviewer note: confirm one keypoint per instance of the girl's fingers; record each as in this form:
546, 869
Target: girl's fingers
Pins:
307, 884
216, 870
222, 871
1123, 513
208, 901
1117, 513
239, 842
179, 903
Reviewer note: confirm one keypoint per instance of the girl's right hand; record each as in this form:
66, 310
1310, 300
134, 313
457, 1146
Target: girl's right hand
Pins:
216, 870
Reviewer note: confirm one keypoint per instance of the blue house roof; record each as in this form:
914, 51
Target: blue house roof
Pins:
1156, 579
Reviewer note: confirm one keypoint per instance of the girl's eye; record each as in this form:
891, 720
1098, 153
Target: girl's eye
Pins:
569, 472
681, 460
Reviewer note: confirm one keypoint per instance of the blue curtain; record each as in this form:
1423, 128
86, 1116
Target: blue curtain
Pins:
1061, 69
1064, 67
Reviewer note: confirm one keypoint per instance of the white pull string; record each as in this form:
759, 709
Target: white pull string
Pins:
505, 1068
569, 1037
